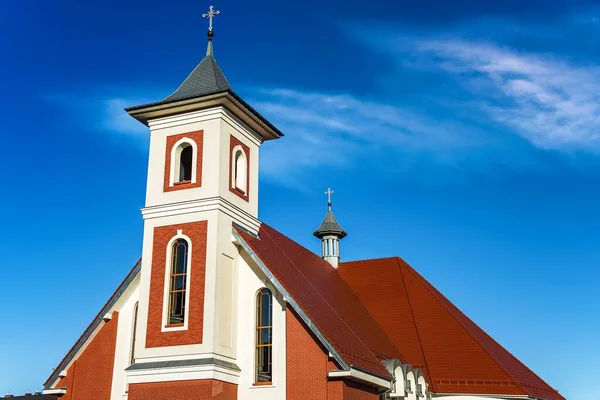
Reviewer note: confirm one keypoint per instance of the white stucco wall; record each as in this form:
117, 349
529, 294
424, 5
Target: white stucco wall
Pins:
125, 306
250, 281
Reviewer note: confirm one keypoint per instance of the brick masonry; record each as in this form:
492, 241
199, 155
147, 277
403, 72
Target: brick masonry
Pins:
196, 231
90, 375
183, 390
307, 361
197, 137
233, 142
307, 366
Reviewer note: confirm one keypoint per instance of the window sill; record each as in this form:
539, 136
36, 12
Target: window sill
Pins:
174, 325
237, 189
182, 183
264, 385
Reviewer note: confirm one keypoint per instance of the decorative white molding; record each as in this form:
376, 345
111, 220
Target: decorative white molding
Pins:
216, 203
55, 392
62, 374
361, 376
183, 374
107, 317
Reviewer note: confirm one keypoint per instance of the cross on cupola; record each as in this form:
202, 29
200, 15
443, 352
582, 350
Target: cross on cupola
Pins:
330, 232
329, 192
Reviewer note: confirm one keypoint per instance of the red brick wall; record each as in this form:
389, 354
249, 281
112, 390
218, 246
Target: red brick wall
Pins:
196, 231
183, 390
308, 364
356, 391
233, 142
90, 375
171, 140
307, 361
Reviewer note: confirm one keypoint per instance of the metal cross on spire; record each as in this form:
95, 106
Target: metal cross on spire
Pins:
329, 192
210, 14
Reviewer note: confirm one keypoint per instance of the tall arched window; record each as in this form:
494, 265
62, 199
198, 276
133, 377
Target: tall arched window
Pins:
264, 337
186, 153
133, 333
177, 282
240, 170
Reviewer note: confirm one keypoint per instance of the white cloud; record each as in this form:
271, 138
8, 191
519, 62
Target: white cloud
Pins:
552, 103
336, 129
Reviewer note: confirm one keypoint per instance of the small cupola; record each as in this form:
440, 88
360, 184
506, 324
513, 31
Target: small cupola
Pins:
330, 232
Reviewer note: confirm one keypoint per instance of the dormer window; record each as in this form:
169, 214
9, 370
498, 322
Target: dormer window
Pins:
239, 170
186, 154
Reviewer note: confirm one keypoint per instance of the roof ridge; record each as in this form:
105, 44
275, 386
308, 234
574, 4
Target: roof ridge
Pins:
437, 295
321, 296
372, 259
412, 314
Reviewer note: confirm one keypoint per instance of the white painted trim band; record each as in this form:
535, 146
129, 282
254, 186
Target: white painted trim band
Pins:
361, 376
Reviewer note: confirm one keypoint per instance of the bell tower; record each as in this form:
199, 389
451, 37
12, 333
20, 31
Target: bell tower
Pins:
202, 179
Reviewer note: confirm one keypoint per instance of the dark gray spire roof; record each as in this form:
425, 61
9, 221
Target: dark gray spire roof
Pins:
330, 226
207, 78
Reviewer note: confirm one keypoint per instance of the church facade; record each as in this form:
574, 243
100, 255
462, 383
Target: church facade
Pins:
223, 306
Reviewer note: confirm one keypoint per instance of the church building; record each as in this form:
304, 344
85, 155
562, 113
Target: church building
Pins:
223, 306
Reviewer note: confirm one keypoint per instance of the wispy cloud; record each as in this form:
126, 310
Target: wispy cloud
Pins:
339, 129
551, 102
503, 94
103, 111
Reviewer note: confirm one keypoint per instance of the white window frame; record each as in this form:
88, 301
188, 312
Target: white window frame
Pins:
176, 160
165, 316
233, 162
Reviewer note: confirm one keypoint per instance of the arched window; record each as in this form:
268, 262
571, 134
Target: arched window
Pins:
240, 170
133, 333
264, 337
177, 282
186, 154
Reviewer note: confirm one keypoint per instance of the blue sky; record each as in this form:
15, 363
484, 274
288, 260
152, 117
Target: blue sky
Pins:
463, 136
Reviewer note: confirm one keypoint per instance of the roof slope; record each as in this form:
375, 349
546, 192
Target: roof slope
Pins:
433, 334
330, 226
326, 298
207, 78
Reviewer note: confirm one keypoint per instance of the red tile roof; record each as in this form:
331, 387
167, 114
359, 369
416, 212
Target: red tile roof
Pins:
431, 333
326, 298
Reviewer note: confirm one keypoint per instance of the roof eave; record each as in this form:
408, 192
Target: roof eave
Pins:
227, 98
320, 234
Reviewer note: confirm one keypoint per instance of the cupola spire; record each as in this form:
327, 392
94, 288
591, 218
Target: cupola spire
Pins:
210, 14
330, 232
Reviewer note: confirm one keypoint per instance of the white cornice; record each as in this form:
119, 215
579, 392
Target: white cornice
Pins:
216, 203
363, 377
183, 374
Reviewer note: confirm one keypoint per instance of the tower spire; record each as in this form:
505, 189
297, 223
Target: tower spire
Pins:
210, 14
330, 232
